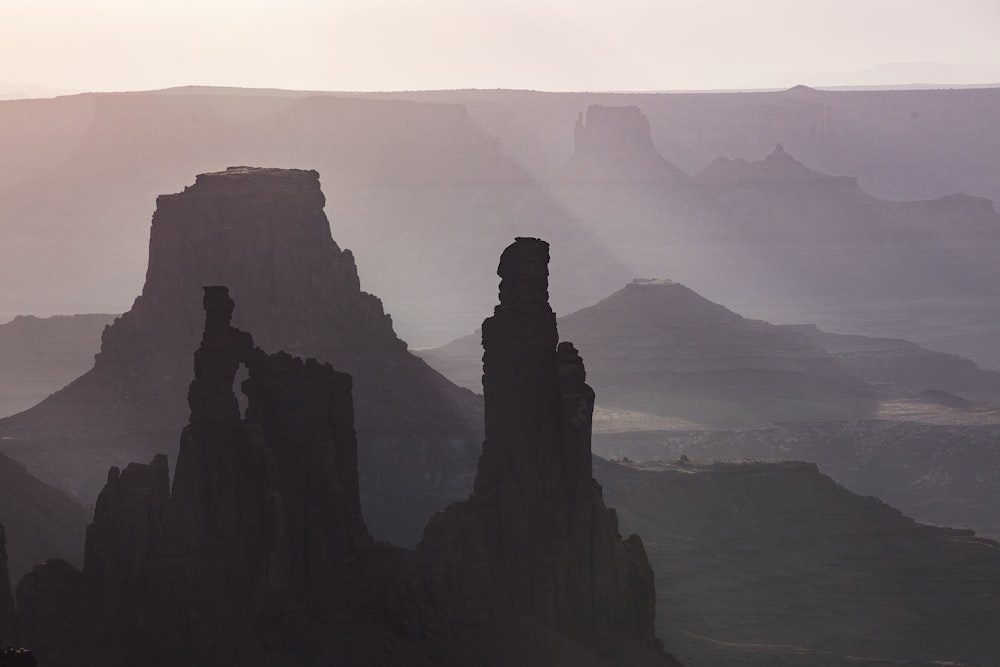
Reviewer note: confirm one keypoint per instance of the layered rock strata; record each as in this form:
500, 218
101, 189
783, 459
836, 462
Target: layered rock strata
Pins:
537, 522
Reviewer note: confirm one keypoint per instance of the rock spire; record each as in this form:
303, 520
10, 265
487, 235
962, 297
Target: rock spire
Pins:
553, 548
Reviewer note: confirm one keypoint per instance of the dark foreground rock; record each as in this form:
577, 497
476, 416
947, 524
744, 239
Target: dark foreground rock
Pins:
259, 553
6, 599
537, 518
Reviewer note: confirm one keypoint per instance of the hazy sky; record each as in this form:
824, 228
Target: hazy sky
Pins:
543, 44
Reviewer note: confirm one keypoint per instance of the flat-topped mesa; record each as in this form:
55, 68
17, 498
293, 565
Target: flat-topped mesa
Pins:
537, 515
609, 130
613, 144
262, 232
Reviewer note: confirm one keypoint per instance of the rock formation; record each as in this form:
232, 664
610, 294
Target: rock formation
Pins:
614, 144
259, 553
263, 233
537, 519
262, 514
778, 166
6, 599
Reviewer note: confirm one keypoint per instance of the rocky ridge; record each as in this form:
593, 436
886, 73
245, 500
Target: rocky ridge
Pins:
761, 564
939, 474
778, 166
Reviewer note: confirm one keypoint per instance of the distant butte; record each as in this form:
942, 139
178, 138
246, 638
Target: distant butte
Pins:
613, 143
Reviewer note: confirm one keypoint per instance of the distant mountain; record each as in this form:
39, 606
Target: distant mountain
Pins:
763, 564
783, 242
16, 91
659, 349
900, 144
779, 165
41, 355
899, 74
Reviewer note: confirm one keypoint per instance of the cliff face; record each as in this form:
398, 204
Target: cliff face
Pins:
263, 233
537, 514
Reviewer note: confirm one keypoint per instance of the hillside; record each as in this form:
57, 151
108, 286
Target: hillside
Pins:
768, 564
658, 350
41, 521
944, 474
41, 355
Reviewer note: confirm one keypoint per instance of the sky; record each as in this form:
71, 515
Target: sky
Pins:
358, 45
